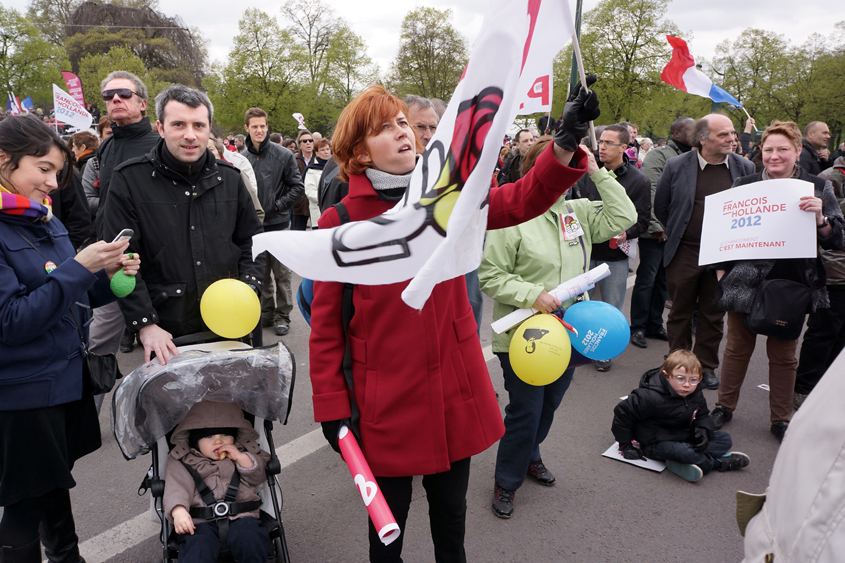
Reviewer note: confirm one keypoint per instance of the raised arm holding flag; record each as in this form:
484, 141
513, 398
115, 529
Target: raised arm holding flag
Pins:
424, 217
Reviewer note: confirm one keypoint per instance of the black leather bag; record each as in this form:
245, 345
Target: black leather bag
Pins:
99, 373
779, 309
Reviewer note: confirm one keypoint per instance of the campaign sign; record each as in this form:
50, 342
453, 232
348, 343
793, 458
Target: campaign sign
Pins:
69, 110
758, 221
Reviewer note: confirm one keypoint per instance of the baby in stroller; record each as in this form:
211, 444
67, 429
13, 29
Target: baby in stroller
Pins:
211, 477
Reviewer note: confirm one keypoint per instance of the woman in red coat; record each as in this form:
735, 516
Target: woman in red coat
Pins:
420, 380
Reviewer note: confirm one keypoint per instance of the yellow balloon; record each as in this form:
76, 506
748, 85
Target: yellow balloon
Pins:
540, 350
230, 308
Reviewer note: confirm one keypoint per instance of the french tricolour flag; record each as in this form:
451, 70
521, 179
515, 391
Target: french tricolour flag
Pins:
682, 74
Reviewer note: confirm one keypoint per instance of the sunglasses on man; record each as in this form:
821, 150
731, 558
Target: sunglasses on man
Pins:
124, 93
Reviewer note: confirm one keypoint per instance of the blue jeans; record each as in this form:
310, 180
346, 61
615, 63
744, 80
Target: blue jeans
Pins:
248, 541
612, 287
476, 298
528, 418
649, 295
681, 452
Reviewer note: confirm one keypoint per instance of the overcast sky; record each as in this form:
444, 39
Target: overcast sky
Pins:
379, 21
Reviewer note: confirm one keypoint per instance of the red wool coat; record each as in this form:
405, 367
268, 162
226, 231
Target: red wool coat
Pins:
419, 377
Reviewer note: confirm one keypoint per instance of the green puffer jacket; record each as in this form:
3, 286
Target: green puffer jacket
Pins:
520, 262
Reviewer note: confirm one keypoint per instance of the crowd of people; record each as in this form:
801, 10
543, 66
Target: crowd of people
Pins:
557, 208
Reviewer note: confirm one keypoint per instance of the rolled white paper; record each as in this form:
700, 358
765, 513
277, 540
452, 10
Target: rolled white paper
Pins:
565, 291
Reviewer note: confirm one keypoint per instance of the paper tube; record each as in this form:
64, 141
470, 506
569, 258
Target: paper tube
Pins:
565, 291
380, 514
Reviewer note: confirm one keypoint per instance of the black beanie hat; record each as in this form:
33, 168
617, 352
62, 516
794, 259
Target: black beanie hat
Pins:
195, 435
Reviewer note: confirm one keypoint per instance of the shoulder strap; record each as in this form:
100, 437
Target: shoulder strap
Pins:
347, 312
342, 212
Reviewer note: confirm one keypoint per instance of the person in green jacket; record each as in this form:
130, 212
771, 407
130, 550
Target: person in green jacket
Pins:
520, 266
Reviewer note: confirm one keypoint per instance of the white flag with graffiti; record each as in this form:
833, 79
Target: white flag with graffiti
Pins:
436, 232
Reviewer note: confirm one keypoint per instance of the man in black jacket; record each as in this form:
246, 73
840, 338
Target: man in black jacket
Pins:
279, 186
132, 136
614, 141
193, 220
512, 169
815, 156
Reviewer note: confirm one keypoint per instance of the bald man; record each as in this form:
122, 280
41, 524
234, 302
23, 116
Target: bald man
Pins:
815, 157
679, 205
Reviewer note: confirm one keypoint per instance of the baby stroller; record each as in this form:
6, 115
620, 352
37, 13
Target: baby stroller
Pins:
153, 399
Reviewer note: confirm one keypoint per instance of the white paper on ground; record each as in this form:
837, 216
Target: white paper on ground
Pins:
652, 464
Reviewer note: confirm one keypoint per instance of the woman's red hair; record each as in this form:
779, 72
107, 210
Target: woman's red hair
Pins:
363, 118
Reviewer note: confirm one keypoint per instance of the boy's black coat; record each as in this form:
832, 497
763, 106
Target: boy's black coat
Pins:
654, 412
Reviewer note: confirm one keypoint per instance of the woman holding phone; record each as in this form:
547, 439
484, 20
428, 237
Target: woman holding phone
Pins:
47, 291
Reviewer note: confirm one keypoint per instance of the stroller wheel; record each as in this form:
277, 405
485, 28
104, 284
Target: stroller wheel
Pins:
278, 551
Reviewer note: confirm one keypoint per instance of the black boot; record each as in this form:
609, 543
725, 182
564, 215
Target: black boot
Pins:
58, 534
30, 553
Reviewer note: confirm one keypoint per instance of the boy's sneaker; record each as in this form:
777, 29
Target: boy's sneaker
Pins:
719, 416
734, 460
537, 471
503, 502
686, 471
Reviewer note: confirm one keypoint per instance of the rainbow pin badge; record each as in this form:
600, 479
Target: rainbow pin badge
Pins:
50, 266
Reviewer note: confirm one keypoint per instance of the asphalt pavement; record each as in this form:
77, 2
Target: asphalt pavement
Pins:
600, 510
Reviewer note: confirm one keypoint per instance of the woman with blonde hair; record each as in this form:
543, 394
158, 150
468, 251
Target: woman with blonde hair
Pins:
740, 281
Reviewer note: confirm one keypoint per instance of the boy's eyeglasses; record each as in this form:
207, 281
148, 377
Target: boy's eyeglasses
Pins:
681, 380
609, 144
124, 93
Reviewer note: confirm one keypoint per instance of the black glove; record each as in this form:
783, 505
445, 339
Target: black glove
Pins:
700, 440
330, 430
630, 452
581, 108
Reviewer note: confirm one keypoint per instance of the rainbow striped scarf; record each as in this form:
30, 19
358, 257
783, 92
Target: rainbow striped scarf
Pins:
15, 204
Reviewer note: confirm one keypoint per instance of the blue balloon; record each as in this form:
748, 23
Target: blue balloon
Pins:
603, 331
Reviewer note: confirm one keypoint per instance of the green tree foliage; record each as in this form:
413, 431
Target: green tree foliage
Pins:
265, 69
29, 63
95, 67
52, 17
777, 80
624, 43
314, 66
432, 55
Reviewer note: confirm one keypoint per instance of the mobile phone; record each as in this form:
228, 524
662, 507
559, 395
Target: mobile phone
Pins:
125, 234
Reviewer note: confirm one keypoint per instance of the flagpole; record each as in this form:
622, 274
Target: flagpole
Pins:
749, 117
576, 48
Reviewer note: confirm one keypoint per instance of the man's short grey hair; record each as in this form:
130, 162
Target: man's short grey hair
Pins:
422, 103
240, 138
702, 130
184, 95
140, 87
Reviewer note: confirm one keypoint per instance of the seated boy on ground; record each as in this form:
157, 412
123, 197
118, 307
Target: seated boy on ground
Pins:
216, 458
667, 419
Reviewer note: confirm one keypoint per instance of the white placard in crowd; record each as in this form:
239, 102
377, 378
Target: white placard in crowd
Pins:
437, 232
758, 221
68, 110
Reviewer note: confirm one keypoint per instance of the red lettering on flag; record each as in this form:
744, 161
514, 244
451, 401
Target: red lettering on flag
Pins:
540, 89
533, 10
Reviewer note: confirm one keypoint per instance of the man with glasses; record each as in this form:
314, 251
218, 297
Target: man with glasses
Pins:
132, 136
422, 117
614, 141
301, 209
279, 186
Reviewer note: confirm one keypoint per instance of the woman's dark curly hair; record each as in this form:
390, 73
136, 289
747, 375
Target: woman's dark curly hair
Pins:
25, 135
